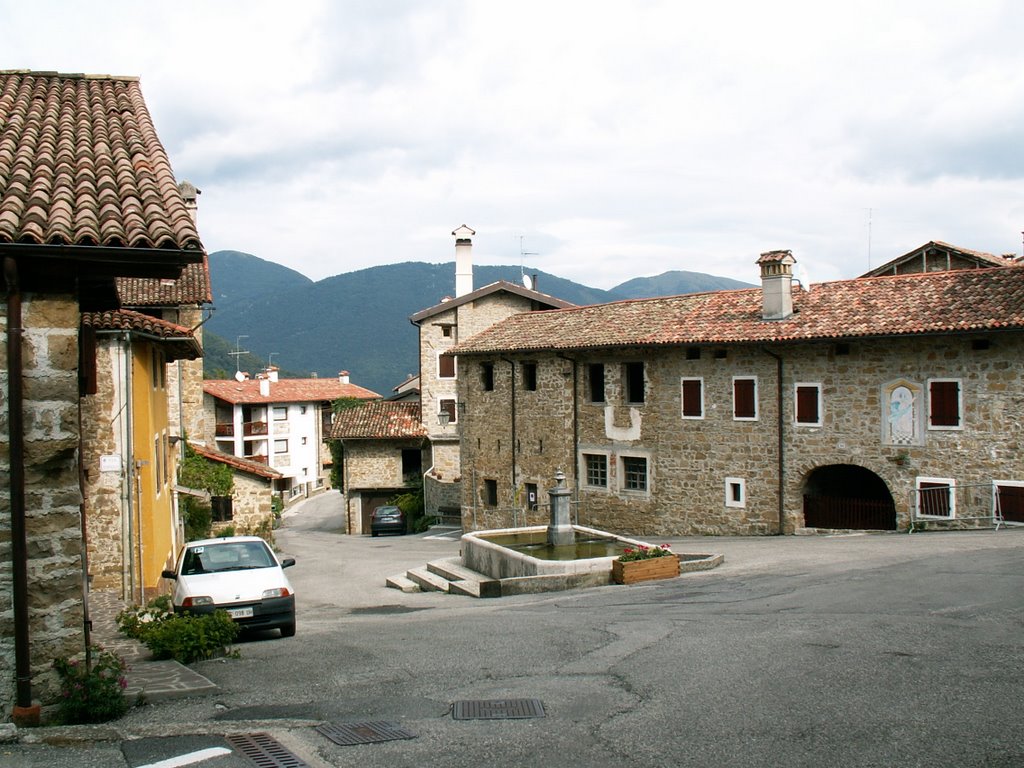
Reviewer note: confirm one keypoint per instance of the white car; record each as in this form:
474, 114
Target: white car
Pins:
237, 574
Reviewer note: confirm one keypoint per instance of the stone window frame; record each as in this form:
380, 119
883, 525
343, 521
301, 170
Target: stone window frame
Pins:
736, 492
923, 483
623, 474
757, 409
455, 365
585, 473
959, 404
683, 399
819, 407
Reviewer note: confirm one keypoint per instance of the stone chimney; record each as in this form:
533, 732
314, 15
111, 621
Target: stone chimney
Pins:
343, 377
190, 194
463, 260
776, 284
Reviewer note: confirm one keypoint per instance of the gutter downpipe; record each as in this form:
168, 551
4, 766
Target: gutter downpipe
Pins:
575, 435
515, 486
16, 437
782, 442
129, 460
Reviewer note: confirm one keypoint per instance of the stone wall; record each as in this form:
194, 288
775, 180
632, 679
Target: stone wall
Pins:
691, 461
52, 494
105, 433
251, 505
185, 407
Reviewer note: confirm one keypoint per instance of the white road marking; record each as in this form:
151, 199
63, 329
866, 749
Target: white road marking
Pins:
189, 759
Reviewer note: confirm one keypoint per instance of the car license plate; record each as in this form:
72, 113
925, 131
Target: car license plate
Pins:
240, 613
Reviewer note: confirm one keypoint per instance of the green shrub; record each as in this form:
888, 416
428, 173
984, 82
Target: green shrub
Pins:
198, 518
182, 637
91, 693
187, 638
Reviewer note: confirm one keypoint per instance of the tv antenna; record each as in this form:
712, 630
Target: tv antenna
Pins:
237, 354
270, 359
527, 280
870, 211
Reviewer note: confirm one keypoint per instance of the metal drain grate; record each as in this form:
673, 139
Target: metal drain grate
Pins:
263, 751
348, 734
497, 709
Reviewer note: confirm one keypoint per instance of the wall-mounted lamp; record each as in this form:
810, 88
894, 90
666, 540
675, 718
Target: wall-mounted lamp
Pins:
174, 439
444, 418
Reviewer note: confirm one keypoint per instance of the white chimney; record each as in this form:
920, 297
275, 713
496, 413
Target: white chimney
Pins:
776, 284
264, 386
272, 372
463, 260
343, 377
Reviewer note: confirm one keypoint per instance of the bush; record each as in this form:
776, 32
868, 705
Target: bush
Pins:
191, 638
182, 637
92, 693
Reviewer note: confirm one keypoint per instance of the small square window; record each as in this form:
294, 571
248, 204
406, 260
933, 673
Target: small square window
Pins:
634, 473
693, 353
280, 413
735, 492
595, 467
936, 497
280, 446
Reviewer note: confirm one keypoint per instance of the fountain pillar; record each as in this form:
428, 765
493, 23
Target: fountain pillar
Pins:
560, 530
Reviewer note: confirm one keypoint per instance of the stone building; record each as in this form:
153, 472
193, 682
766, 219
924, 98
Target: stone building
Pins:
869, 403
87, 195
440, 328
250, 508
382, 444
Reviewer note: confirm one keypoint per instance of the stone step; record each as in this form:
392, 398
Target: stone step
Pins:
403, 583
463, 580
427, 581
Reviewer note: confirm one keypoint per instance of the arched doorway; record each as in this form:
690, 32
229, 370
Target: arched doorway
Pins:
846, 496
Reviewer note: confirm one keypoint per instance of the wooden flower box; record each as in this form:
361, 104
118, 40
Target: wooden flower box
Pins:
632, 571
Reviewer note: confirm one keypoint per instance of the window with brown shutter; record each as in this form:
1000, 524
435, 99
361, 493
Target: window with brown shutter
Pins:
807, 401
944, 403
446, 366
744, 398
693, 398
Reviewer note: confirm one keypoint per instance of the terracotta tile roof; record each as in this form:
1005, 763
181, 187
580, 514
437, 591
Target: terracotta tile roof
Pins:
181, 343
543, 299
193, 287
81, 164
237, 462
930, 303
379, 419
284, 391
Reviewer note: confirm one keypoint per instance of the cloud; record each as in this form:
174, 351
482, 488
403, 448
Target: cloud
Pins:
617, 139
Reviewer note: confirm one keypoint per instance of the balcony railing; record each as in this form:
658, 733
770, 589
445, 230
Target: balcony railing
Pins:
225, 430
250, 428
261, 458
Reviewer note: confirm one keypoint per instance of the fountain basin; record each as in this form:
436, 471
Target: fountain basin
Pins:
523, 561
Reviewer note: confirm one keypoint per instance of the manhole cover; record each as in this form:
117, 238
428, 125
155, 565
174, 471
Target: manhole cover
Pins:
347, 734
263, 751
497, 709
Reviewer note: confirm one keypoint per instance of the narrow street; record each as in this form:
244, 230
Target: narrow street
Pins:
888, 649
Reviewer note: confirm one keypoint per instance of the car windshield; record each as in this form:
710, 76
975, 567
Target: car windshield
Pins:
387, 511
227, 556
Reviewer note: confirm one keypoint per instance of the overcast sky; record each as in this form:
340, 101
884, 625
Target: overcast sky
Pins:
606, 140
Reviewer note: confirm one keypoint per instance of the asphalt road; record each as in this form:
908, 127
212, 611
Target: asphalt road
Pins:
870, 650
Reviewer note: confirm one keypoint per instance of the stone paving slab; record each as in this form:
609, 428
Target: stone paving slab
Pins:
152, 679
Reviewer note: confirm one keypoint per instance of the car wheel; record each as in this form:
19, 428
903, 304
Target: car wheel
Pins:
288, 630
373, 533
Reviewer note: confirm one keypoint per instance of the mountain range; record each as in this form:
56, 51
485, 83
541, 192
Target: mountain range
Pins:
359, 321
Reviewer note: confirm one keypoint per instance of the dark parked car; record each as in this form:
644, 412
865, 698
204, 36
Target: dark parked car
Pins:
389, 519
